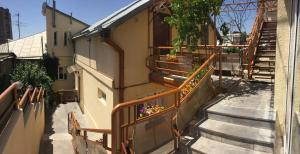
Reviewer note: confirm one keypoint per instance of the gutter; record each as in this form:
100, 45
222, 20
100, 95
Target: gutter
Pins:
120, 52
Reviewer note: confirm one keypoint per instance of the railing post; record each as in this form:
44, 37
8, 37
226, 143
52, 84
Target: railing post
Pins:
220, 68
105, 141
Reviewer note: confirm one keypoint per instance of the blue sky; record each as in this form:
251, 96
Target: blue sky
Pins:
32, 20
89, 11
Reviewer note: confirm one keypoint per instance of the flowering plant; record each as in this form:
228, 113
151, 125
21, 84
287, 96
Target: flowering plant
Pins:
149, 110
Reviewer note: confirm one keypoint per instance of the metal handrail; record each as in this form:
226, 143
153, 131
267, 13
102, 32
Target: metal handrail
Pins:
24, 99
131, 103
253, 40
10, 96
77, 129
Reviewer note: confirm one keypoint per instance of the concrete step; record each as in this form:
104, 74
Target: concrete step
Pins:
267, 51
268, 39
266, 43
268, 31
263, 80
207, 146
269, 34
268, 55
256, 76
264, 68
242, 116
244, 136
265, 59
264, 73
269, 28
268, 47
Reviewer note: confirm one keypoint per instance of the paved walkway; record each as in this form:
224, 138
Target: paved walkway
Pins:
56, 139
259, 96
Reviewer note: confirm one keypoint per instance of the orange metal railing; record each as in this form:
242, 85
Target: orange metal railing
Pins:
127, 114
81, 141
10, 100
254, 38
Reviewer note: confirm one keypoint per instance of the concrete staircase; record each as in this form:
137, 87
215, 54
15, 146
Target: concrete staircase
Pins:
264, 67
236, 128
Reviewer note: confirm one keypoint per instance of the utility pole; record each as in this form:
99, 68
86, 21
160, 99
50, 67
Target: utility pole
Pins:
18, 24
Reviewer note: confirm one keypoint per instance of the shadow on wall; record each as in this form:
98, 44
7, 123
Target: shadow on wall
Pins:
24, 129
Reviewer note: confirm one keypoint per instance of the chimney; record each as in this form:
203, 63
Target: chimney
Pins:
71, 18
53, 14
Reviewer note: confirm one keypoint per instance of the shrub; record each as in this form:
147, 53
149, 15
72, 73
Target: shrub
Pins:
35, 75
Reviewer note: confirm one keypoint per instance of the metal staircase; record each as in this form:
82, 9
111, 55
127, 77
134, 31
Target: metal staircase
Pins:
264, 66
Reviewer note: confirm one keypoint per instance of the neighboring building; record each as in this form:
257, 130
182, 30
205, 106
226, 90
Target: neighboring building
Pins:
7, 65
31, 47
59, 28
233, 38
5, 25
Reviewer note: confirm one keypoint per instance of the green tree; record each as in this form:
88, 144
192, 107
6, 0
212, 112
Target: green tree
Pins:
32, 74
35, 75
188, 16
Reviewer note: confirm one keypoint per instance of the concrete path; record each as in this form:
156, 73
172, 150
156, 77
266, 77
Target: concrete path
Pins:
56, 139
251, 95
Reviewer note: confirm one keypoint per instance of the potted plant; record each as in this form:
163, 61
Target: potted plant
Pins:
171, 57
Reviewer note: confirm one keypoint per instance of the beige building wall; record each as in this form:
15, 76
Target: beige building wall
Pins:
282, 53
65, 53
13, 135
24, 130
97, 76
132, 37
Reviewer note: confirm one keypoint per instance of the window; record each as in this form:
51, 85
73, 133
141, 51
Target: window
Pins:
66, 38
101, 96
62, 73
55, 38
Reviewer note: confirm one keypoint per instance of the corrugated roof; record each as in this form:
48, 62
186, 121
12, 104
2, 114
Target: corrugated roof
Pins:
117, 17
27, 48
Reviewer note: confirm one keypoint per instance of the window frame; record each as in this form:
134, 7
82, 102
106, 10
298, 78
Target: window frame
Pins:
62, 73
55, 38
101, 96
65, 38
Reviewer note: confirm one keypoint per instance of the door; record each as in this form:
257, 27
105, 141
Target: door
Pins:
162, 31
